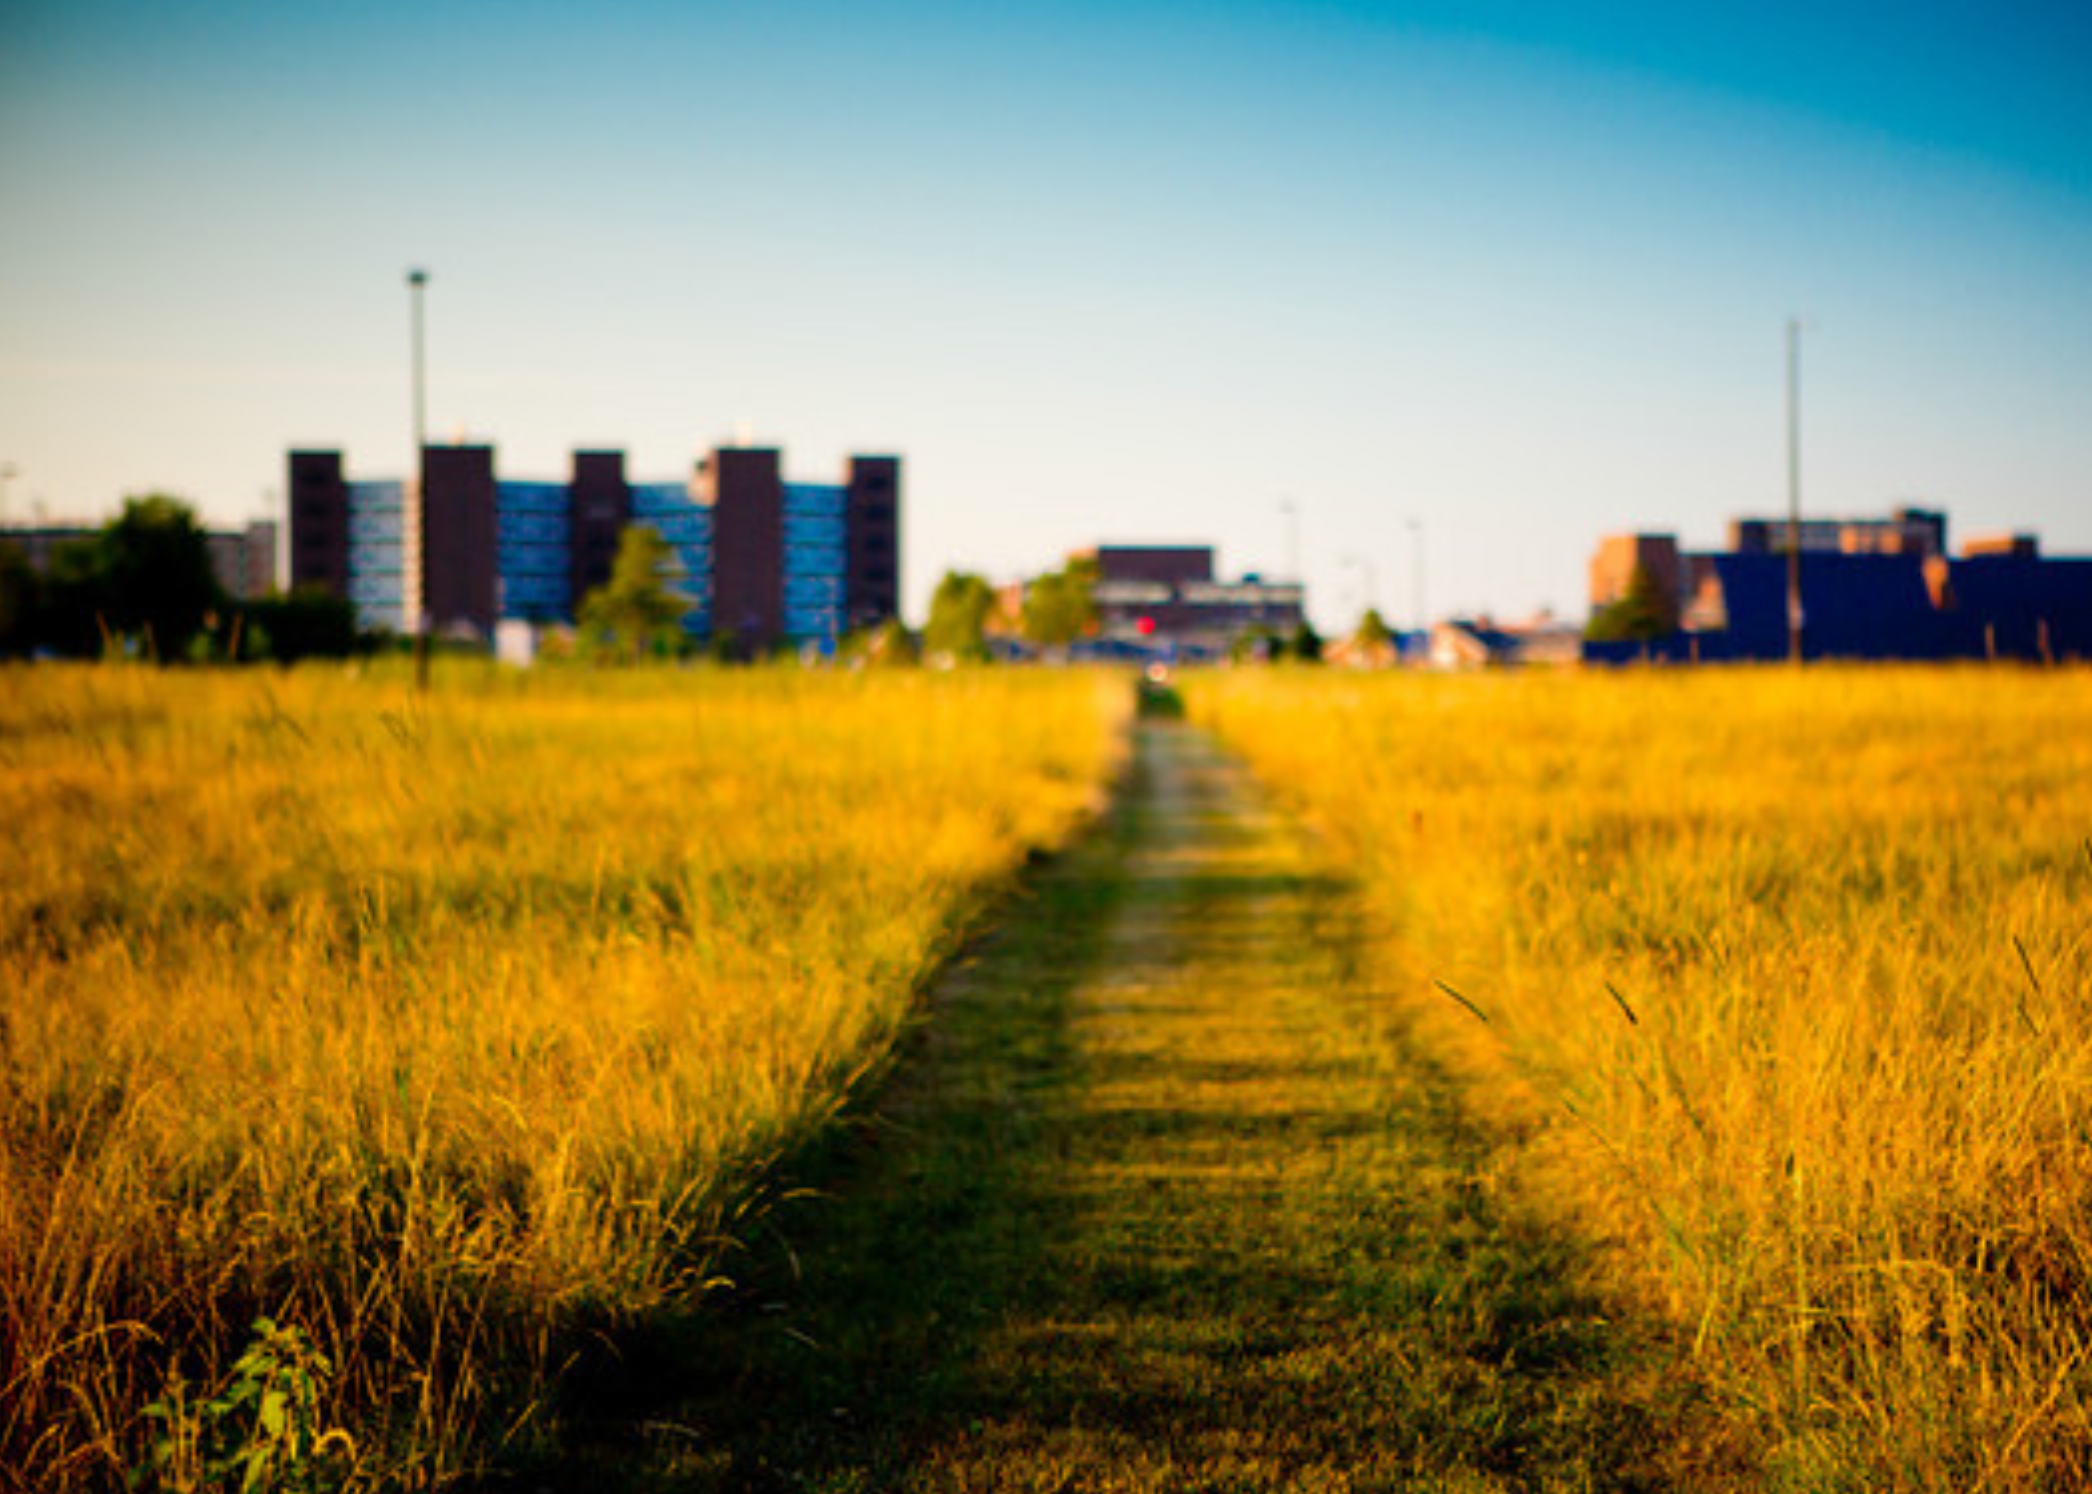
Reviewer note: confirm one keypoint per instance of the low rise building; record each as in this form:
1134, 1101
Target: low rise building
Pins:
244, 560
1167, 599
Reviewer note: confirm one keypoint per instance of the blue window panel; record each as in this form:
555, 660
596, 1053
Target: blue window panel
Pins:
519, 600
532, 551
802, 530
814, 500
365, 527
543, 498
537, 588
539, 529
691, 528
377, 497
813, 591
537, 562
375, 588
383, 555
531, 604
653, 499
813, 560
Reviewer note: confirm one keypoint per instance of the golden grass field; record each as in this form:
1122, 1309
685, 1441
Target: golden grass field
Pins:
1785, 980
439, 1029
443, 1031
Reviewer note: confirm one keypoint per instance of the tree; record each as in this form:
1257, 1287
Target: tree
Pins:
74, 598
1371, 644
156, 575
310, 623
1643, 614
18, 598
638, 608
1061, 606
889, 645
1305, 644
958, 622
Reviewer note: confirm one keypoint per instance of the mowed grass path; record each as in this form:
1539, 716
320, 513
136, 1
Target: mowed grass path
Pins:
1160, 1197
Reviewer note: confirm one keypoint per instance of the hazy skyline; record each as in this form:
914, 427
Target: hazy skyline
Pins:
1100, 273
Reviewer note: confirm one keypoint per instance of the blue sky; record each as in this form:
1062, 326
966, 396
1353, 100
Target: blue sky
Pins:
1134, 272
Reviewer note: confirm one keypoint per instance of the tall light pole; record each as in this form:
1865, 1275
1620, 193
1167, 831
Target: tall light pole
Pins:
1365, 568
413, 559
1416, 539
1794, 611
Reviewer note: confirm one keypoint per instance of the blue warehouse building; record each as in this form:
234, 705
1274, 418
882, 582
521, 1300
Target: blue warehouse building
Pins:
1871, 589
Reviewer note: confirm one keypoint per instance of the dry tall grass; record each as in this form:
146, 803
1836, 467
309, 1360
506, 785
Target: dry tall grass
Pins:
444, 1028
1789, 979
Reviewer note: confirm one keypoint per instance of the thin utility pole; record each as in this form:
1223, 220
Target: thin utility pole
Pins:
1416, 538
1794, 609
414, 521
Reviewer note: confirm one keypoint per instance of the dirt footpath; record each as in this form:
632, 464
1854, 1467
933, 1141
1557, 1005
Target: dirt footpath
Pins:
1160, 1198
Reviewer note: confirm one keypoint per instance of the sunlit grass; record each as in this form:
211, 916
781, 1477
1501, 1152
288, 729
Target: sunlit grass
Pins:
450, 1027
1787, 976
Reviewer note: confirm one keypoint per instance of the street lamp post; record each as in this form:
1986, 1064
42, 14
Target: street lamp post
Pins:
414, 558
1416, 537
1794, 608
1365, 569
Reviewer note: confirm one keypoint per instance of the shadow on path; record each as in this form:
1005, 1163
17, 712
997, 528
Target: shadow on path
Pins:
1158, 1198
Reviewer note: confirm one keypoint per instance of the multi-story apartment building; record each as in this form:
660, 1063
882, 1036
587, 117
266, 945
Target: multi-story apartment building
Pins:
763, 561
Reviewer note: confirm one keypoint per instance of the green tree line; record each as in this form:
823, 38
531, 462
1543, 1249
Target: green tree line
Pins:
142, 585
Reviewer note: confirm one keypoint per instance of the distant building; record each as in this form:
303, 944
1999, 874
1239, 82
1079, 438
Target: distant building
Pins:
243, 560
1166, 598
246, 560
1870, 589
1464, 643
1619, 556
764, 561
39, 543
